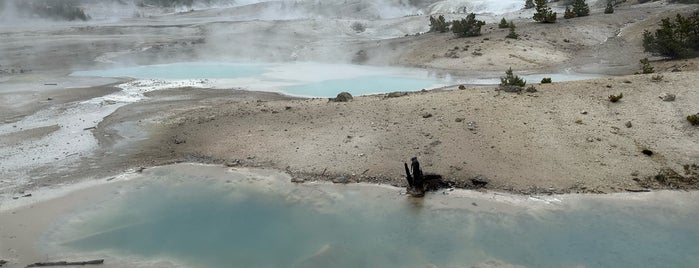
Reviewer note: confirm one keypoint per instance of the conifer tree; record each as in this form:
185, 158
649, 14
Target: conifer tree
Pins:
544, 13
512, 33
467, 27
580, 8
503, 24
569, 14
529, 4
609, 9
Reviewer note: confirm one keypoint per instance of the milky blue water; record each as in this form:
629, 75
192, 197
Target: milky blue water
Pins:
206, 217
313, 79
303, 79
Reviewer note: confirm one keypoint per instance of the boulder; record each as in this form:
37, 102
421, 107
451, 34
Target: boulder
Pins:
342, 97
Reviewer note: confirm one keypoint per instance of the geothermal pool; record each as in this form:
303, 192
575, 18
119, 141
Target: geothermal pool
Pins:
206, 216
310, 79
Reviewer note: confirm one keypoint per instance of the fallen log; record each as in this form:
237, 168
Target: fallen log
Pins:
66, 263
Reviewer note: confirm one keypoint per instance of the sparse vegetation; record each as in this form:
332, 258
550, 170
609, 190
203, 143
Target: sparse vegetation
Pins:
166, 3
544, 13
512, 34
674, 39
529, 4
693, 119
609, 9
467, 27
503, 24
358, 27
546, 80
512, 82
616, 98
438, 24
568, 14
646, 68
580, 8
59, 10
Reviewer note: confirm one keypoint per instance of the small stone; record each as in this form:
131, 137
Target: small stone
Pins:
341, 179
459, 120
583, 112
49, 98
668, 97
590, 139
628, 124
635, 173
298, 180
426, 115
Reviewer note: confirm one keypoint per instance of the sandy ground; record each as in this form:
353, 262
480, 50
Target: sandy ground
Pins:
565, 138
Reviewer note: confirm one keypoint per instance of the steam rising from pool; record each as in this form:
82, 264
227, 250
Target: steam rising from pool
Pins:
202, 216
305, 79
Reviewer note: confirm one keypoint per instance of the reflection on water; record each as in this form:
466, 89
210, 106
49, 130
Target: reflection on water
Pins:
209, 217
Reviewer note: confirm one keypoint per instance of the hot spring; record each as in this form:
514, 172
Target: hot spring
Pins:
206, 216
312, 79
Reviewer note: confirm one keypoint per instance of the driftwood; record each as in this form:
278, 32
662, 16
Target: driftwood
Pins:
66, 263
419, 182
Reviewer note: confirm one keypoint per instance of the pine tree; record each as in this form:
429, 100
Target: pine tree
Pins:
439, 24
544, 13
512, 33
529, 4
609, 9
467, 27
569, 14
503, 24
580, 8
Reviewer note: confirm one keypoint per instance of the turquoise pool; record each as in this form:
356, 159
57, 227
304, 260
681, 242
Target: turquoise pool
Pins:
205, 217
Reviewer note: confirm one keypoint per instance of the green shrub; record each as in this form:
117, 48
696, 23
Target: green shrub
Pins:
510, 80
609, 9
674, 39
512, 34
580, 8
569, 14
467, 27
546, 80
616, 98
544, 13
646, 68
438, 24
693, 119
59, 10
503, 24
529, 4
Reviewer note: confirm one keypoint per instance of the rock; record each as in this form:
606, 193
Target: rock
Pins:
628, 124
342, 97
233, 163
459, 120
462, 87
297, 180
426, 115
480, 181
635, 173
2, 262
396, 94
647, 152
583, 112
668, 97
341, 179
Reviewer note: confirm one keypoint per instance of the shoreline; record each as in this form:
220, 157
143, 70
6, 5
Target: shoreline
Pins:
21, 230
